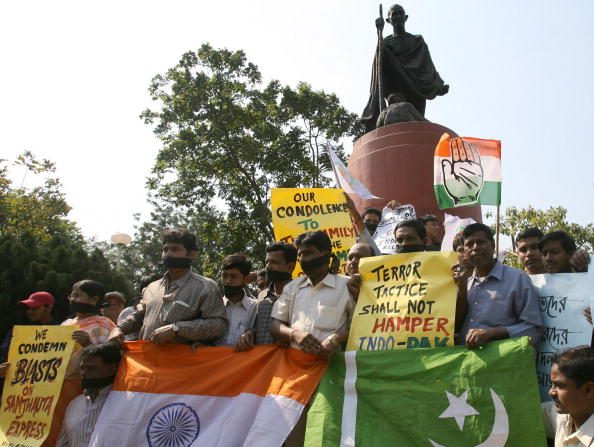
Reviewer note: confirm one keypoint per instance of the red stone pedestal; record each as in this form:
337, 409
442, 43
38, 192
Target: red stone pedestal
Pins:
396, 162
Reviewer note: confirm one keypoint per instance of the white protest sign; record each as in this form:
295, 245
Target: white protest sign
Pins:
562, 298
384, 235
453, 225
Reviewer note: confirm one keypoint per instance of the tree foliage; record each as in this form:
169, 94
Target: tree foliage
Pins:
40, 249
228, 138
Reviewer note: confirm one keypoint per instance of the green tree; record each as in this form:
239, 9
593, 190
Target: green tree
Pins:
40, 249
552, 219
228, 138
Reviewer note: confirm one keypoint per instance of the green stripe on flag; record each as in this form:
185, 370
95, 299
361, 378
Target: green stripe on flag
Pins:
490, 195
410, 397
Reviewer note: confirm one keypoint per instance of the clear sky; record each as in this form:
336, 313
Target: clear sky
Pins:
75, 74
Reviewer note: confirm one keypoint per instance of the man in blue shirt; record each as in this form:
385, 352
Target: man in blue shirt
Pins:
501, 302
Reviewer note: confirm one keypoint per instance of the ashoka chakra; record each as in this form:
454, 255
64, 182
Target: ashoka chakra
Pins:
175, 425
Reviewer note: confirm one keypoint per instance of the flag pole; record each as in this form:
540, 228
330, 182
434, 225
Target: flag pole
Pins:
497, 233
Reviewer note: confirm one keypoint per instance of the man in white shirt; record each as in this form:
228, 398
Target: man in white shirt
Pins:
569, 418
98, 367
314, 311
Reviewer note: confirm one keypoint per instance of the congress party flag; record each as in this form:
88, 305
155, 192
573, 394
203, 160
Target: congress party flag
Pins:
346, 180
440, 397
167, 395
467, 171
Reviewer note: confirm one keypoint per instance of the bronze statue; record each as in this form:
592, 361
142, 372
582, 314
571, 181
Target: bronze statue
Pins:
406, 69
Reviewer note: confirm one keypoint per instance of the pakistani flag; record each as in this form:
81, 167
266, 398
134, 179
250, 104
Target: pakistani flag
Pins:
441, 397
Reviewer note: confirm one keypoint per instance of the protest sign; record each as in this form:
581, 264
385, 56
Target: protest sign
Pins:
297, 210
562, 298
384, 235
406, 301
38, 357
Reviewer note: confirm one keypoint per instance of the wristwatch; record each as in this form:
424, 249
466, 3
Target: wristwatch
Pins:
175, 328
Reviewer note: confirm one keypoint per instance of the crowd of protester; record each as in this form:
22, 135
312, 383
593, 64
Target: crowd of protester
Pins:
312, 312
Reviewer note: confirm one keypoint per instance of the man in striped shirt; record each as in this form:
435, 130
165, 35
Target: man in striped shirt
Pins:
98, 367
182, 307
239, 304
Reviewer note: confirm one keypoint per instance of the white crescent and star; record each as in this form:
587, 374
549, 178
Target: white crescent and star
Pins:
459, 409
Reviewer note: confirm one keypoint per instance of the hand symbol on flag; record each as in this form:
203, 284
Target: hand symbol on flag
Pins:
463, 175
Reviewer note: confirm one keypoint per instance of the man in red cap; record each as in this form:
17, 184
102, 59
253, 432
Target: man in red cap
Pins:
39, 311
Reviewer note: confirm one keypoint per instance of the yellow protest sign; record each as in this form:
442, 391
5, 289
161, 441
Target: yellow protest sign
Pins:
297, 210
406, 301
38, 357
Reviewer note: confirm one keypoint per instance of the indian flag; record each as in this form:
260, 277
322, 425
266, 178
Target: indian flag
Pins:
429, 397
169, 396
467, 171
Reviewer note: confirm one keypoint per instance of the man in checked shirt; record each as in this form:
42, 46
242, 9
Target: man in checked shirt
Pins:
182, 307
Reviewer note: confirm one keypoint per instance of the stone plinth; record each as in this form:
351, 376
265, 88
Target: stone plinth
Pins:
396, 162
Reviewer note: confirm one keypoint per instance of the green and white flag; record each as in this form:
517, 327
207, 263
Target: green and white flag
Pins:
440, 397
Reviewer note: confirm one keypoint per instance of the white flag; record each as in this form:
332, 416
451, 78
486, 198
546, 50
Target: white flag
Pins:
453, 225
345, 179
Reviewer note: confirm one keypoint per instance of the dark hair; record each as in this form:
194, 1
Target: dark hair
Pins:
576, 364
237, 261
375, 211
179, 236
458, 241
429, 218
93, 289
146, 280
317, 239
415, 224
475, 228
529, 232
261, 273
109, 352
289, 250
566, 240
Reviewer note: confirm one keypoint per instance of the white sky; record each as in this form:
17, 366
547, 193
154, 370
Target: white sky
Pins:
75, 75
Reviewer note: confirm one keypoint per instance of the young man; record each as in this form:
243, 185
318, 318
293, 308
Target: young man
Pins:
98, 367
501, 302
433, 229
314, 311
528, 251
182, 307
239, 305
115, 303
568, 418
410, 236
280, 263
557, 248
261, 280
356, 253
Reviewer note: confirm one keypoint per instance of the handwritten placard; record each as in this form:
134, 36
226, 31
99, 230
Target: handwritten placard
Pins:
297, 210
384, 235
562, 299
38, 357
406, 301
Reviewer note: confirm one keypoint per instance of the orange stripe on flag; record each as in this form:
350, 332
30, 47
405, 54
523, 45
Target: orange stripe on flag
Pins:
487, 148
220, 371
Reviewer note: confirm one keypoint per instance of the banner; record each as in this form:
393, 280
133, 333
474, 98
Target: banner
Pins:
297, 210
451, 397
562, 298
406, 301
38, 357
384, 235
167, 395
467, 171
